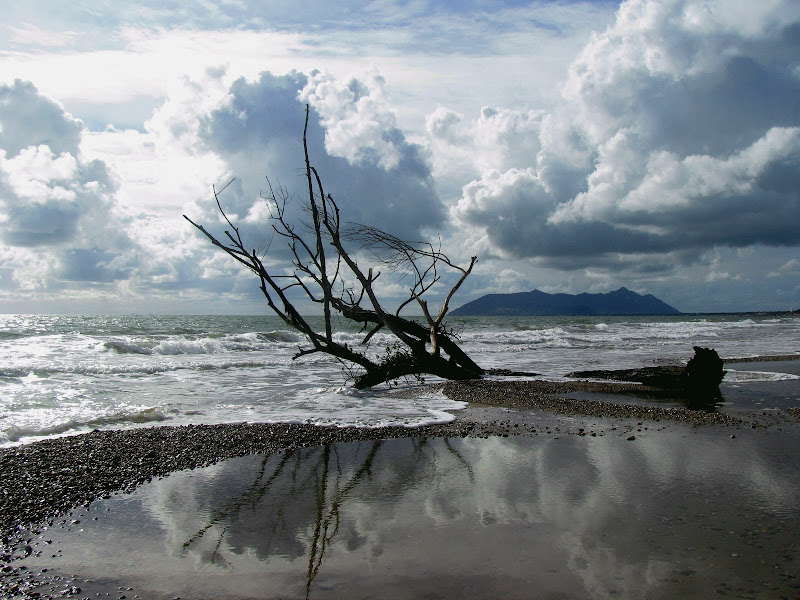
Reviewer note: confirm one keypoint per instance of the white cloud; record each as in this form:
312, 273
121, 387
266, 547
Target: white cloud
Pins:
67, 236
674, 196
674, 133
29, 119
50, 200
27, 33
497, 140
358, 124
382, 180
131, 53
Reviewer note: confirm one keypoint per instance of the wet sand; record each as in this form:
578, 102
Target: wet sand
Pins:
44, 481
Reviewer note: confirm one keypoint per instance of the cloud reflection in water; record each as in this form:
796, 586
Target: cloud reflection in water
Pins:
676, 513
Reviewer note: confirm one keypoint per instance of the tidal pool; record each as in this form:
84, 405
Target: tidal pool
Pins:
676, 513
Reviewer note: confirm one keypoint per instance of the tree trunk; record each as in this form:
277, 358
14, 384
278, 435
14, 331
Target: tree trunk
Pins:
414, 364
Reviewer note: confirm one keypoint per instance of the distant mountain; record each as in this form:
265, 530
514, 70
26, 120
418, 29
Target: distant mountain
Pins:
536, 303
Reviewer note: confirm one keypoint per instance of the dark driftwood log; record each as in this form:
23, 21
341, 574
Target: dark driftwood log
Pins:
697, 383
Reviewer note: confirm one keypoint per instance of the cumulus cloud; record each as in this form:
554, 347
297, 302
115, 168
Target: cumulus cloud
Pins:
374, 173
678, 132
53, 202
45, 197
513, 209
700, 200
70, 226
358, 125
497, 140
29, 119
62, 226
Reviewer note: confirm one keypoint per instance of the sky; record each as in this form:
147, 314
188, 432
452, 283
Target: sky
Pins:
573, 146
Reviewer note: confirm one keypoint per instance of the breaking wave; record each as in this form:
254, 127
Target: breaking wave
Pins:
15, 433
150, 368
178, 345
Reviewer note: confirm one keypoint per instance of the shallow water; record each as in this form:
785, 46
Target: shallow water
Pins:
678, 512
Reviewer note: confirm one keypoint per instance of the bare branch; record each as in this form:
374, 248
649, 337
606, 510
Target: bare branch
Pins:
322, 272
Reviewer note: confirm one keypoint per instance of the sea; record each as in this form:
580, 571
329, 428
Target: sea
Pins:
66, 374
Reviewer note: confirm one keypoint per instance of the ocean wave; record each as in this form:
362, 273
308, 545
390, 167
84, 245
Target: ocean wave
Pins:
12, 335
210, 344
150, 368
520, 337
348, 407
183, 346
123, 347
734, 376
15, 433
279, 336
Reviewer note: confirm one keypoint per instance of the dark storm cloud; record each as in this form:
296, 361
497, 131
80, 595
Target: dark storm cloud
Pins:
680, 130
383, 181
513, 208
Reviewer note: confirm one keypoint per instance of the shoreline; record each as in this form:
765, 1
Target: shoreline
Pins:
44, 481
550, 397
47, 478
767, 358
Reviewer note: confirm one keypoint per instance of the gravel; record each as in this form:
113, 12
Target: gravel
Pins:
548, 396
45, 479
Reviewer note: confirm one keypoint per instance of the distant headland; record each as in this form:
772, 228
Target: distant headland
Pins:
536, 303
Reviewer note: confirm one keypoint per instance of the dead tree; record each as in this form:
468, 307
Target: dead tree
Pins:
327, 273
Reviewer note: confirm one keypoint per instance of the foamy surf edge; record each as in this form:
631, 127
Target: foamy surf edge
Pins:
26, 433
324, 407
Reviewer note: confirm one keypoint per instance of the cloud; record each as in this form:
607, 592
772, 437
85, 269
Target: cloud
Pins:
50, 197
27, 34
61, 223
373, 172
29, 119
673, 138
790, 268
699, 200
678, 130
497, 140
513, 208
357, 124
66, 229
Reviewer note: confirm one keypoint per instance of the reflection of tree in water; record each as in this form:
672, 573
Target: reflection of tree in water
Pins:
304, 490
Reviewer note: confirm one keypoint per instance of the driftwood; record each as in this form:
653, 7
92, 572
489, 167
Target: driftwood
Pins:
697, 383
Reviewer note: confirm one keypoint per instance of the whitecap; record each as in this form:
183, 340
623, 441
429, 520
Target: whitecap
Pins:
348, 407
733, 376
134, 416
124, 347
